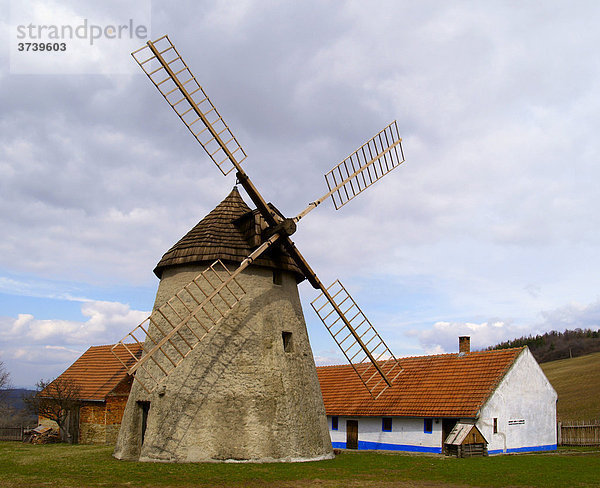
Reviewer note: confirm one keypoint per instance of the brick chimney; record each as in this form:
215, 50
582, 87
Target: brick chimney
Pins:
464, 344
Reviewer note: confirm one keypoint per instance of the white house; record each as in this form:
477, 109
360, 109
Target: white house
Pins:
503, 392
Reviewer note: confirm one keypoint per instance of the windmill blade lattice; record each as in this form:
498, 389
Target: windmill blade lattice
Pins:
369, 163
178, 326
363, 347
167, 70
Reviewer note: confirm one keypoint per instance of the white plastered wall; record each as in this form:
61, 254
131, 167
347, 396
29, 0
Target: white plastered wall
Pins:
407, 434
524, 404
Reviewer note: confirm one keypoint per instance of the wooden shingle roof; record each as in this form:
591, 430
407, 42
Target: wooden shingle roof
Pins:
229, 233
447, 385
97, 372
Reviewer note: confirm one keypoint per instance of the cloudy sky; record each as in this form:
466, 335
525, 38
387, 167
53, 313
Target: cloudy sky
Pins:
490, 228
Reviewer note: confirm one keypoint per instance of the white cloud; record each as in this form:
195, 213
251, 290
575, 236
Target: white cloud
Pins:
442, 337
34, 348
571, 316
107, 322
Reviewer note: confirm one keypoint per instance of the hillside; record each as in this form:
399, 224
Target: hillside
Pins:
14, 397
12, 408
554, 345
577, 382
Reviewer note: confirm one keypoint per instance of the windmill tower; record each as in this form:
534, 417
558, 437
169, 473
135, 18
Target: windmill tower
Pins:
227, 372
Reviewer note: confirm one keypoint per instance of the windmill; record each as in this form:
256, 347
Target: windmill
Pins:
234, 397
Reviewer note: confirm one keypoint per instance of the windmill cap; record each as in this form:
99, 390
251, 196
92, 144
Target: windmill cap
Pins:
230, 233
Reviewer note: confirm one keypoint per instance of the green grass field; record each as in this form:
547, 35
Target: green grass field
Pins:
59, 465
577, 382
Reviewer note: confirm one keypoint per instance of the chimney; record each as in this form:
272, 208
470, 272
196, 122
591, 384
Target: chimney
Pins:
464, 344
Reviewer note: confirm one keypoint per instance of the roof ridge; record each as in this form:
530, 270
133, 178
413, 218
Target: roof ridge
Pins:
110, 345
446, 354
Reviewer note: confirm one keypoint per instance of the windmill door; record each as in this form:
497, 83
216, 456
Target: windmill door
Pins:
351, 434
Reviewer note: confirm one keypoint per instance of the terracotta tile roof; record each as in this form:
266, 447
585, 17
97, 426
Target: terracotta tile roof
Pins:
229, 232
97, 372
447, 385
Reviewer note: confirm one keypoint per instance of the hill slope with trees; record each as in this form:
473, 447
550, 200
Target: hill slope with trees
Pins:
553, 346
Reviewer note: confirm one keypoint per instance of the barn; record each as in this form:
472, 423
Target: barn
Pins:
504, 393
103, 388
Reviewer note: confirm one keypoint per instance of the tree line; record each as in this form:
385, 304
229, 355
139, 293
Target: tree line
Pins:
556, 345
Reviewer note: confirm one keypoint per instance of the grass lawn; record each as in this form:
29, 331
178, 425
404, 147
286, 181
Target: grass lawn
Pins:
58, 465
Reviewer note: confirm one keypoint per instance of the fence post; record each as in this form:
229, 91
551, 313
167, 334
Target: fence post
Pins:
559, 433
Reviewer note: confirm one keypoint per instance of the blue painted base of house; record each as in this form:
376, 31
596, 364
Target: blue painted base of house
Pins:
366, 445
549, 447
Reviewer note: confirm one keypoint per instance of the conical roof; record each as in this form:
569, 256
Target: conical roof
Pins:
229, 233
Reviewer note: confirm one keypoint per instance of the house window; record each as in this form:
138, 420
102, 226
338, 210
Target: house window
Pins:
495, 425
334, 423
277, 277
428, 426
287, 341
386, 424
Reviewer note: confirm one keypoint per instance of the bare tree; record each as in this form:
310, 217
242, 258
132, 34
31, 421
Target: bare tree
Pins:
4, 385
55, 400
4, 377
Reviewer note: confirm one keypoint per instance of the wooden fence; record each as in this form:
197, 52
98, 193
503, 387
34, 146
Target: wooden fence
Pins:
579, 433
11, 433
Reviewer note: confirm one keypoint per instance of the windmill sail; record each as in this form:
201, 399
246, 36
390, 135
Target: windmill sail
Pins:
363, 347
178, 326
369, 163
353, 333
167, 70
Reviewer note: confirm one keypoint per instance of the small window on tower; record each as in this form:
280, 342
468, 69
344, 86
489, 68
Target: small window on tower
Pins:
287, 341
144, 408
277, 277
495, 425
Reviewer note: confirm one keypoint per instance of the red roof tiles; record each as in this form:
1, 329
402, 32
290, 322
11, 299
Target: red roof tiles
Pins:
447, 385
97, 372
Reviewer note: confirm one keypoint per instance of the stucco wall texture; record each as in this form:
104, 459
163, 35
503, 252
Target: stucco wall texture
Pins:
407, 434
238, 396
524, 404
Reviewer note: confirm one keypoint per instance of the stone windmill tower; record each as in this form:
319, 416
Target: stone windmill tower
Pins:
227, 372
